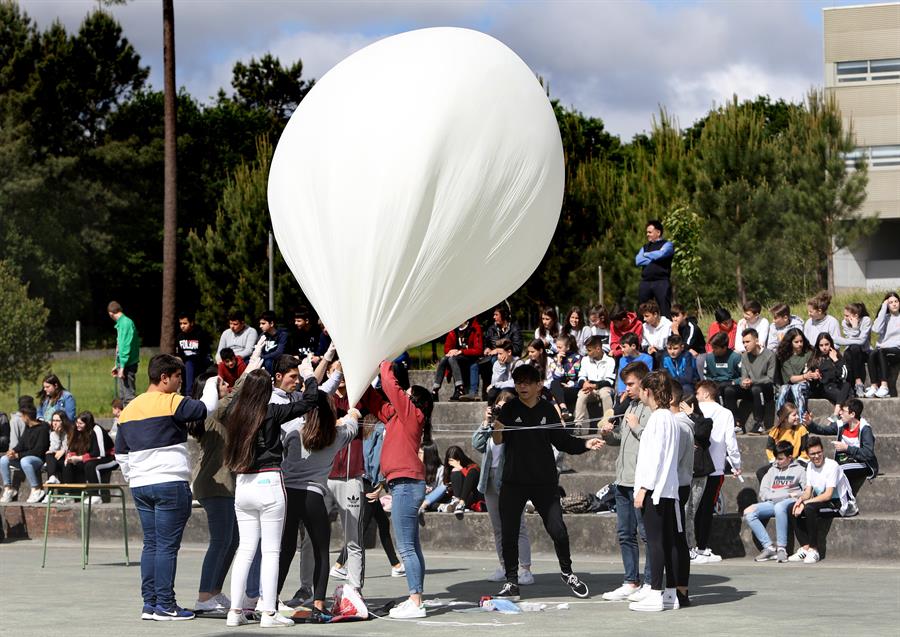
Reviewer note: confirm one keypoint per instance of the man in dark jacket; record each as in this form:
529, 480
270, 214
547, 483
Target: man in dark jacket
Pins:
656, 260
503, 328
193, 350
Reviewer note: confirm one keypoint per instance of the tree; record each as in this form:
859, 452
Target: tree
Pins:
265, 84
228, 260
23, 345
170, 188
823, 194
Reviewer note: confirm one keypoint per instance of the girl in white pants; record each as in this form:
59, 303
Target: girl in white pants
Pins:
253, 452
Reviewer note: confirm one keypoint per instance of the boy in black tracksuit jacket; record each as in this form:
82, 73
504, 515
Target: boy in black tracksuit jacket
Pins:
529, 473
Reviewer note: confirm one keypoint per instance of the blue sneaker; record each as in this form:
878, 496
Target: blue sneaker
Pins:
174, 614
147, 611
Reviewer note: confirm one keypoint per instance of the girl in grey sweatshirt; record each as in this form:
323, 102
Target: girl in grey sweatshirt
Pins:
856, 329
887, 347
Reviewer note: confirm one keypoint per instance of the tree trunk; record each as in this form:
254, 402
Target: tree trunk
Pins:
170, 211
829, 260
739, 276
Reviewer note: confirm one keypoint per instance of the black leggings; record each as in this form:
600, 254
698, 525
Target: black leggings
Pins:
661, 524
880, 361
835, 394
545, 498
307, 507
704, 514
807, 527
683, 552
82, 472
55, 466
855, 358
760, 393
374, 511
564, 395
466, 487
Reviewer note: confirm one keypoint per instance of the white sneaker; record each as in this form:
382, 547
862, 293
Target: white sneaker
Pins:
812, 556
498, 575
710, 556
621, 594
799, 556
8, 494
398, 572
407, 610
651, 602
36, 496
526, 578
274, 620
883, 392
670, 599
529, 506
211, 605
235, 618
338, 572
282, 607
870, 392
222, 600
641, 593
96, 499
52, 480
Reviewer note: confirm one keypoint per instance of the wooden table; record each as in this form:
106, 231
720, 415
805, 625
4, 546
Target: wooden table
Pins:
82, 493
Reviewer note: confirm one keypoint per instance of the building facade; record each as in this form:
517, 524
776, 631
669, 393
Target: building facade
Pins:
862, 71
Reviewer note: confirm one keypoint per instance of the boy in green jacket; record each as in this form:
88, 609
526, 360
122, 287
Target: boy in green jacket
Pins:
128, 352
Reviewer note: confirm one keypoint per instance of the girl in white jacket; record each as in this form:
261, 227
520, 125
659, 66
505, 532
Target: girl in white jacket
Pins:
656, 493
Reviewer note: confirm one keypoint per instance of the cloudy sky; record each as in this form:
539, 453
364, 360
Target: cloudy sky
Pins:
618, 60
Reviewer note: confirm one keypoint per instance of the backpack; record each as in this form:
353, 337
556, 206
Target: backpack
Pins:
348, 605
604, 499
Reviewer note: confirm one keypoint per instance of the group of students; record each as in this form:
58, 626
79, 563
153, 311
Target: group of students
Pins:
46, 435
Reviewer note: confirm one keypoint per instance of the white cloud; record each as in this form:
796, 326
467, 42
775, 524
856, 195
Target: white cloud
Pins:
615, 60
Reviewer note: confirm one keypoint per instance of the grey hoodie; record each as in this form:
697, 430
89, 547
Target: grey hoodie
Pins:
628, 441
777, 485
887, 327
858, 335
305, 469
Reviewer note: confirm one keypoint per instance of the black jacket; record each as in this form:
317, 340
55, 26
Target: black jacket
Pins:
34, 441
864, 454
703, 463
692, 335
268, 436
512, 332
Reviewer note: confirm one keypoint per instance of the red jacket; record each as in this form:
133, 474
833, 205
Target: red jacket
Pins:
635, 326
404, 424
716, 327
471, 343
231, 376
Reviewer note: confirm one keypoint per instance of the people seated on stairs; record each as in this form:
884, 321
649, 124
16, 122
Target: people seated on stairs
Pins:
723, 324
757, 382
27, 455
565, 366
489, 483
854, 449
54, 397
752, 318
598, 320
91, 451
61, 431
435, 488
549, 329
462, 475
502, 369
680, 364
830, 381
656, 331
827, 495
597, 375
856, 331
779, 489
576, 328
887, 346
630, 348
462, 348
789, 428
820, 320
793, 375
722, 364
782, 322
503, 329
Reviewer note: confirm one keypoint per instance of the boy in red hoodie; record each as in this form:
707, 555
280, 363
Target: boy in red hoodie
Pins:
462, 347
622, 322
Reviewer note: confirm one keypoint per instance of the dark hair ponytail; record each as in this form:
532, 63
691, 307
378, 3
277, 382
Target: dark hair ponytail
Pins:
244, 417
424, 402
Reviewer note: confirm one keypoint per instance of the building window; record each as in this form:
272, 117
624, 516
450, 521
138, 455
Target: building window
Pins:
874, 156
868, 70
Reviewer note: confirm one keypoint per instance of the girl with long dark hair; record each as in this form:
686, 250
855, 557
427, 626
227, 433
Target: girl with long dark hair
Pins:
253, 451
462, 474
887, 346
407, 418
91, 451
830, 381
54, 397
793, 355
62, 431
549, 328
856, 329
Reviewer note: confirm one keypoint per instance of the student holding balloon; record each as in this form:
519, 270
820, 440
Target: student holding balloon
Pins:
407, 418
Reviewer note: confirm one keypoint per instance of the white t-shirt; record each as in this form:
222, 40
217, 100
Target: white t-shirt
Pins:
496, 452
829, 475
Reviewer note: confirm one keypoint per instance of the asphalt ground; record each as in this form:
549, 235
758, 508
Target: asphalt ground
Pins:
734, 597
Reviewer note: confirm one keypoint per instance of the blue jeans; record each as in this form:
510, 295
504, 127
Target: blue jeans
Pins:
795, 393
407, 496
435, 496
30, 465
164, 510
223, 542
628, 525
763, 512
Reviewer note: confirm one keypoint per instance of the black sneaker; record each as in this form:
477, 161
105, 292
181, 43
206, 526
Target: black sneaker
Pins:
509, 591
436, 395
578, 587
683, 600
457, 393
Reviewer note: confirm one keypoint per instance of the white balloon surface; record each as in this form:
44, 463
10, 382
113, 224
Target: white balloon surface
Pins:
417, 184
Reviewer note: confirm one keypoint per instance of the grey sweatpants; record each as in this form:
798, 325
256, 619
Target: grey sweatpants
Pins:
690, 509
492, 499
348, 495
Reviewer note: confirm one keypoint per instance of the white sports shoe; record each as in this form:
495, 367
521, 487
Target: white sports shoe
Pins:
36, 496
526, 578
883, 392
8, 494
499, 575
812, 556
338, 572
211, 605
222, 600
870, 392
96, 499
621, 594
641, 593
274, 620
710, 556
670, 599
651, 602
407, 610
52, 480
398, 572
799, 556
235, 618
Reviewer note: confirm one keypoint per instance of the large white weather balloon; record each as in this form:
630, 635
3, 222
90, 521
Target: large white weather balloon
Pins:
418, 183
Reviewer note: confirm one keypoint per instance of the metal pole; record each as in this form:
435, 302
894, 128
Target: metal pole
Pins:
271, 272
77, 336
600, 285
